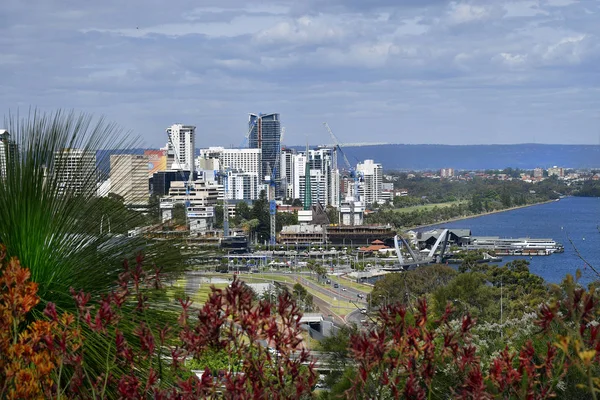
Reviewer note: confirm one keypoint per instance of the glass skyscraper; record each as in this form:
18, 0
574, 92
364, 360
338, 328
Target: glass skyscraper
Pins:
265, 134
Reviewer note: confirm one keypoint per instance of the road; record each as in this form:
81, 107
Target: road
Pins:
343, 296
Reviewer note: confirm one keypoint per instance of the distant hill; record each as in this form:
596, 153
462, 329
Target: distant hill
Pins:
475, 157
472, 157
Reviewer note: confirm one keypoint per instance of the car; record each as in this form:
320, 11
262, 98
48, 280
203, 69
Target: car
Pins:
336, 285
328, 281
344, 289
360, 296
363, 310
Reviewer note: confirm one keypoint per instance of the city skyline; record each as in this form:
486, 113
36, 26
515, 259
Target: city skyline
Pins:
428, 72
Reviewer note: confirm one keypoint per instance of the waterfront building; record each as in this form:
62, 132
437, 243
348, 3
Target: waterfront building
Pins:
74, 171
447, 172
8, 151
370, 187
556, 171
181, 147
129, 178
265, 134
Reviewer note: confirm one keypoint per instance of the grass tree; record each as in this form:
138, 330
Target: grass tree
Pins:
52, 219
50, 216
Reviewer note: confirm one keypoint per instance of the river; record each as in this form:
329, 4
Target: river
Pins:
575, 218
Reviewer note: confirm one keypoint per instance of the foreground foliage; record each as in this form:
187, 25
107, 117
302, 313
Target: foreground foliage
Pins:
46, 358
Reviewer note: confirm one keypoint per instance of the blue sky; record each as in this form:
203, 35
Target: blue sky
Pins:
412, 71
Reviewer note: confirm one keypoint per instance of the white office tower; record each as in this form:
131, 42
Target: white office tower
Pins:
75, 171
324, 188
241, 168
247, 160
129, 178
8, 150
181, 148
370, 187
287, 172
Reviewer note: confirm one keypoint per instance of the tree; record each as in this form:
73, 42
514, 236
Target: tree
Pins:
469, 293
242, 211
219, 216
179, 214
260, 211
406, 286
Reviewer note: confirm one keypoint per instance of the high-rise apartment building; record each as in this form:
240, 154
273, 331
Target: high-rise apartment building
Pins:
556, 171
287, 172
75, 171
181, 147
265, 134
129, 177
242, 186
370, 187
446, 172
324, 182
8, 151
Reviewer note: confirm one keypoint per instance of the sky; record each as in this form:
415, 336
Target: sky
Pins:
377, 71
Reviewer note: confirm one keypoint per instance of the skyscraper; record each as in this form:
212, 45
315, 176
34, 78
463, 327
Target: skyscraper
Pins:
181, 147
265, 134
370, 188
129, 177
8, 150
314, 180
75, 171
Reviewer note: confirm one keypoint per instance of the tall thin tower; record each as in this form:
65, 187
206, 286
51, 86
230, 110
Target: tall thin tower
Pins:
307, 188
181, 147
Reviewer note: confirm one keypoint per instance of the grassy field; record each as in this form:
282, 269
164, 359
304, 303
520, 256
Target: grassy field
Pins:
427, 206
200, 297
351, 284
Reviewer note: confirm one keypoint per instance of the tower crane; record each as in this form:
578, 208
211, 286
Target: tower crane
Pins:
272, 182
247, 136
352, 173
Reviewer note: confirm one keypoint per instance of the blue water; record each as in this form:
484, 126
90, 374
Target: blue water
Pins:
575, 218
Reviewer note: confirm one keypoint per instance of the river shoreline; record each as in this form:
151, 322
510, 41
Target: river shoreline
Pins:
476, 215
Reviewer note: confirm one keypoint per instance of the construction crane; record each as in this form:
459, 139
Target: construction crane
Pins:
272, 182
247, 136
352, 173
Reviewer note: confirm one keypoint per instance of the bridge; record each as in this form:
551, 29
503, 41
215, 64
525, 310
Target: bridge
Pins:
414, 259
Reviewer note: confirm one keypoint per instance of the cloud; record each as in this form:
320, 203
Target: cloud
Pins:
414, 71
